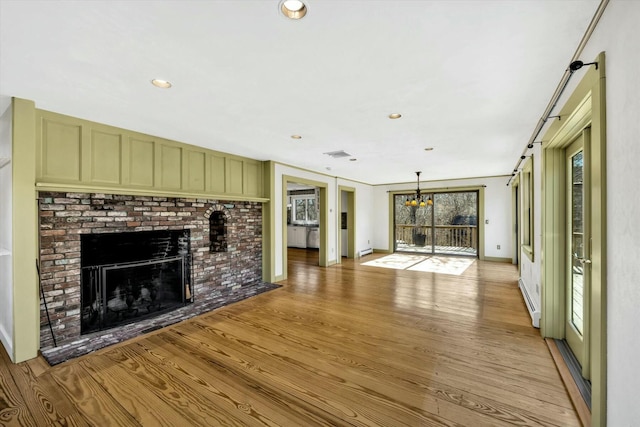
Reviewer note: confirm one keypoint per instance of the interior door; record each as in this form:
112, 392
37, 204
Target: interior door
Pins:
578, 252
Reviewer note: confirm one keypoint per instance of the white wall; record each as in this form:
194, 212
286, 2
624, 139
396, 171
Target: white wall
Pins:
363, 208
618, 35
497, 210
6, 274
364, 219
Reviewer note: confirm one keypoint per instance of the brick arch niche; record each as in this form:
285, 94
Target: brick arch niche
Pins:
218, 216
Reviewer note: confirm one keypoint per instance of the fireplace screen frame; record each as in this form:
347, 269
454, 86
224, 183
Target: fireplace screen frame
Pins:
97, 275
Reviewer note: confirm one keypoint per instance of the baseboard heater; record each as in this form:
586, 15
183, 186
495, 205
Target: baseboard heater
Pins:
533, 310
365, 252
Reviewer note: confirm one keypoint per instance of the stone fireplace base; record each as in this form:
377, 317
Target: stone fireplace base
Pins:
219, 274
88, 343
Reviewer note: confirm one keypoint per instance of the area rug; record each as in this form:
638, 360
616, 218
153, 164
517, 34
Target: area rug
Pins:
444, 265
396, 261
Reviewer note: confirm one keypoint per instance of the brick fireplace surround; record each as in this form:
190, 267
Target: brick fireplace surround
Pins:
218, 278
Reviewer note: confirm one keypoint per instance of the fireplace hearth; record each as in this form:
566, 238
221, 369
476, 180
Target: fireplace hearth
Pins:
128, 277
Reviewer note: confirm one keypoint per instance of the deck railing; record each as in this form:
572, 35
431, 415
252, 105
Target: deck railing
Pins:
464, 236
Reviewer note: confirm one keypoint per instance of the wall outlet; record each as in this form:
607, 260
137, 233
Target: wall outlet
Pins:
368, 242
537, 289
498, 247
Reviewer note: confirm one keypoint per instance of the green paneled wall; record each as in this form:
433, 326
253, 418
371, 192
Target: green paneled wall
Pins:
75, 153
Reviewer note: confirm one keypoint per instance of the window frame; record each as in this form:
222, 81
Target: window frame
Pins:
527, 212
305, 198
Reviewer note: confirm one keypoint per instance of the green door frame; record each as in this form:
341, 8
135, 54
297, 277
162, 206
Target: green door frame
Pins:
479, 189
323, 220
351, 222
585, 106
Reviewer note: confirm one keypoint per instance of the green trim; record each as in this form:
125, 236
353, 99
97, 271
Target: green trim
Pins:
585, 105
382, 251
391, 242
498, 259
351, 222
527, 196
68, 188
515, 220
269, 224
481, 221
26, 306
319, 173
323, 220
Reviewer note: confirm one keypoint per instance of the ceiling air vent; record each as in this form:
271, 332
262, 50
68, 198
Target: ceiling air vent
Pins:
338, 154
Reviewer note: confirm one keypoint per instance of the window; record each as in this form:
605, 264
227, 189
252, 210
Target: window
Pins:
305, 208
527, 209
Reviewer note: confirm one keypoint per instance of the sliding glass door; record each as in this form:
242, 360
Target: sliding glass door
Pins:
447, 223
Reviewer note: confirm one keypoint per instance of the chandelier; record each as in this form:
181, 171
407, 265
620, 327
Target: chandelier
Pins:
418, 199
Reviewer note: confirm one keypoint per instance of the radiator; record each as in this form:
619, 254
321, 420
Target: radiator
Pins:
365, 252
534, 312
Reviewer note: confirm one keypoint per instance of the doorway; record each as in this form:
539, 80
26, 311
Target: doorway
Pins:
319, 203
577, 252
574, 232
347, 222
445, 223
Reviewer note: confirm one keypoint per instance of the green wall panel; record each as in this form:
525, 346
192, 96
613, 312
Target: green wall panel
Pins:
106, 152
195, 170
170, 169
217, 182
235, 176
252, 178
141, 163
88, 156
61, 155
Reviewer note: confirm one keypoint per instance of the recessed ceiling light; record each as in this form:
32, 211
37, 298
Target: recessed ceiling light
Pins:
296, 136
163, 84
293, 9
428, 149
395, 115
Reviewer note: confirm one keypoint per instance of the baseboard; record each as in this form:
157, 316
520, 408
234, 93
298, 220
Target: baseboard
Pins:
364, 252
6, 342
382, 251
498, 259
534, 311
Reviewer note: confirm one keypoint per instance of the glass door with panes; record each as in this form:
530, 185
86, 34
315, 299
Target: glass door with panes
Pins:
446, 223
577, 254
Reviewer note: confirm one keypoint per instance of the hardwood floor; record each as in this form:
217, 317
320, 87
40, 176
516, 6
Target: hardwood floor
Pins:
338, 346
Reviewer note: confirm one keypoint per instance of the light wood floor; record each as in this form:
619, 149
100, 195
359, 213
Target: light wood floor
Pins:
344, 345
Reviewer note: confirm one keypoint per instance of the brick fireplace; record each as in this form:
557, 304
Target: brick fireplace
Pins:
224, 263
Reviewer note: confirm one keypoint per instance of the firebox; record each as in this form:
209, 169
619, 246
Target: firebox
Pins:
128, 277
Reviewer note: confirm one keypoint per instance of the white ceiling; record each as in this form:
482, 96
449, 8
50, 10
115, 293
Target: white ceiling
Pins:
470, 78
